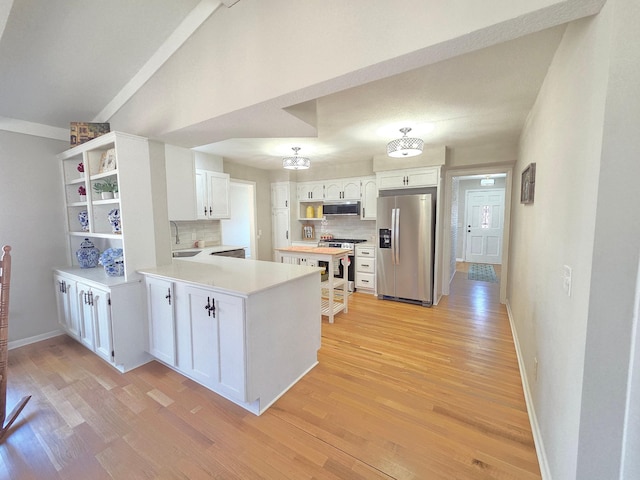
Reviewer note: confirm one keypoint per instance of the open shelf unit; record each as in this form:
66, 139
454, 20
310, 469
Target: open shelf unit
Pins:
124, 160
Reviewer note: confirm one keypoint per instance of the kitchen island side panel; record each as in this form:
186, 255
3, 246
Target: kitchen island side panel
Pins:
283, 330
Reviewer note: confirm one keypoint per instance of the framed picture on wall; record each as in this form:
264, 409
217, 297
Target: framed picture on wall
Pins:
528, 185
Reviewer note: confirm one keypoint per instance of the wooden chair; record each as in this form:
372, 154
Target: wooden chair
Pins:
5, 279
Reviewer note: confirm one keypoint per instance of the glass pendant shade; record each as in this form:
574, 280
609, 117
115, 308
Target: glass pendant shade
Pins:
405, 146
296, 162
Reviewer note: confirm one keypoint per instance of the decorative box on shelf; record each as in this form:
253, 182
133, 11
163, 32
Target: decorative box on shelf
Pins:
83, 132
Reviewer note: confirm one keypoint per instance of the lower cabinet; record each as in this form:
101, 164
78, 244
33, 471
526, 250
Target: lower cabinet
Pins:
210, 332
248, 347
365, 268
67, 302
95, 319
160, 307
107, 318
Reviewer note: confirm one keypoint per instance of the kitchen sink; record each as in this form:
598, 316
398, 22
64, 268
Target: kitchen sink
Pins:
186, 253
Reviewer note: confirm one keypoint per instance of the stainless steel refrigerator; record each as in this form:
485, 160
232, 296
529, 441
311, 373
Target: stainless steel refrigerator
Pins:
404, 262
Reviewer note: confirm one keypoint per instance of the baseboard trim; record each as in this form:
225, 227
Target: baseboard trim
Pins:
38, 338
533, 419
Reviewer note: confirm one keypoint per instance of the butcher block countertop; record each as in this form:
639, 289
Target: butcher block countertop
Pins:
336, 252
230, 275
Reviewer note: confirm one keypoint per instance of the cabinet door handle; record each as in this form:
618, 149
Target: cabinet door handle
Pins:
286, 203
213, 307
210, 211
287, 234
365, 265
91, 298
365, 281
168, 296
205, 211
207, 307
363, 212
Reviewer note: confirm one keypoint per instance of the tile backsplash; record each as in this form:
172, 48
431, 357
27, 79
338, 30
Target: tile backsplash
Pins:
207, 230
347, 227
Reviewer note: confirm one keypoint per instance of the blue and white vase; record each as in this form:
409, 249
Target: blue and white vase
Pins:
83, 218
88, 255
114, 220
115, 269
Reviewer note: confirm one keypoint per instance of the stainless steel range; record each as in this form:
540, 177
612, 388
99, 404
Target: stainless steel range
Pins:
348, 243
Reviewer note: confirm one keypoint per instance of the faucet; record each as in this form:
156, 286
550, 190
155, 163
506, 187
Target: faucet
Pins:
177, 236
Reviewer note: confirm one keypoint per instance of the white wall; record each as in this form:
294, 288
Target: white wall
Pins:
32, 221
581, 135
615, 255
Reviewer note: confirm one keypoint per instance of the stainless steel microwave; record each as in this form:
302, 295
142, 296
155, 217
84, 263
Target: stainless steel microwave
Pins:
341, 208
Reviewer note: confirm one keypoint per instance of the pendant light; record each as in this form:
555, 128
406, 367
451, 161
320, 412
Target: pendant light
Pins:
405, 146
296, 162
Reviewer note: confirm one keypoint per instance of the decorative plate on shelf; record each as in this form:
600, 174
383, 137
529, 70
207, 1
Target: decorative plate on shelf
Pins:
108, 161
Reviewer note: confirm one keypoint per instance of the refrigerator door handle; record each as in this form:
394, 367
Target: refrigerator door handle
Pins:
393, 233
396, 232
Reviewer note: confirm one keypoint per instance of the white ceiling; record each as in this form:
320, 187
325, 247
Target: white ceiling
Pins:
72, 60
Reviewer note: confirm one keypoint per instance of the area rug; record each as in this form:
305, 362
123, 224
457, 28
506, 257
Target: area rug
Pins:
482, 273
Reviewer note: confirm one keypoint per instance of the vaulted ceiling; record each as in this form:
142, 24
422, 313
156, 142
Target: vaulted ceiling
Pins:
73, 60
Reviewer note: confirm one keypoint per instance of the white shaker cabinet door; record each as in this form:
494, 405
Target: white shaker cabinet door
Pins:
85, 315
100, 304
212, 328
160, 303
67, 302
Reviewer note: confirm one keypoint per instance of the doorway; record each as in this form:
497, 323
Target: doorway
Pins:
240, 229
457, 183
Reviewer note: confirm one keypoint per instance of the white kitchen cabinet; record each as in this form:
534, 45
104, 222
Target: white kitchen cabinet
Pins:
251, 336
342, 189
212, 195
210, 331
280, 195
408, 178
310, 191
108, 315
160, 309
284, 207
365, 268
67, 303
369, 198
194, 193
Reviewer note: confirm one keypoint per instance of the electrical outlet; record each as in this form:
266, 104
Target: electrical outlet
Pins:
535, 368
566, 280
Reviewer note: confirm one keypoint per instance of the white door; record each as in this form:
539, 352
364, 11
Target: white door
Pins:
484, 220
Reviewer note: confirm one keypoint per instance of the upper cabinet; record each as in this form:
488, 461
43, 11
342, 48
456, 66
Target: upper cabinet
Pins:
342, 189
212, 195
409, 178
308, 191
369, 198
194, 194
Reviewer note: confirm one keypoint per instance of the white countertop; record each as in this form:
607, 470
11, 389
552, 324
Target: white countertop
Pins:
210, 250
230, 275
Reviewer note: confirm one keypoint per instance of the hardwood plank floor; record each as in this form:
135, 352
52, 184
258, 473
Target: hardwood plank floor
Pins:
401, 392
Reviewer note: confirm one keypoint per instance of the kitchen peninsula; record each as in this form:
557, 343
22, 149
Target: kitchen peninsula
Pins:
246, 329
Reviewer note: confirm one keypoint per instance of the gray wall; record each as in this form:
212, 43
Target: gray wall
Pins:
32, 221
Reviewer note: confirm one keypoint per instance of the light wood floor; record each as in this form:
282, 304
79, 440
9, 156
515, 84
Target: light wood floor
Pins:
401, 392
